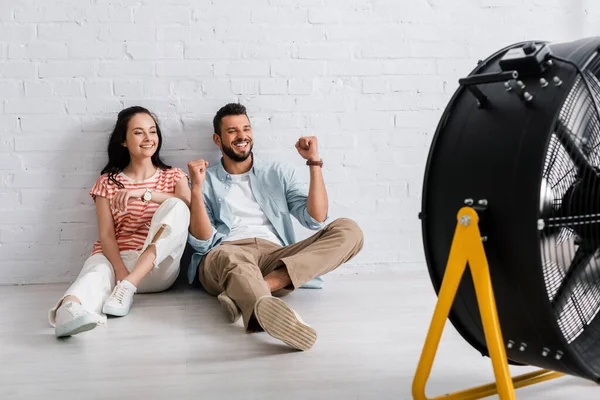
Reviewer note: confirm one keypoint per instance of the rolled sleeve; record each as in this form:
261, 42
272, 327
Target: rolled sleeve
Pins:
202, 246
309, 222
200, 249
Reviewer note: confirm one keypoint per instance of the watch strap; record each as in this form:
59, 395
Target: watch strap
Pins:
315, 163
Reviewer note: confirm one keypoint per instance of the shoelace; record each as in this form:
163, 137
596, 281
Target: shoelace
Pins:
119, 293
74, 310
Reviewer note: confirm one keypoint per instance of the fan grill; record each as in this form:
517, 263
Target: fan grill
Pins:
562, 248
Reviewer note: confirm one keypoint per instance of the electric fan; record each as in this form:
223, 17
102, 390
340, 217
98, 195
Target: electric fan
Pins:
520, 142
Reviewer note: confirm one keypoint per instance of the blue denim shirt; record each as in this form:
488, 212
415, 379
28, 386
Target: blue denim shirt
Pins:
278, 192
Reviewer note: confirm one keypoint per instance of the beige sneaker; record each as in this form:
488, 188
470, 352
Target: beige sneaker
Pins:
72, 318
233, 311
119, 302
283, 323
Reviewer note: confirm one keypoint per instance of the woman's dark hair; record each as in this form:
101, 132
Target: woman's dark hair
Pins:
118, 155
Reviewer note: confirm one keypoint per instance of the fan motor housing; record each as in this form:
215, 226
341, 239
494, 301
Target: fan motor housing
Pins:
493, 152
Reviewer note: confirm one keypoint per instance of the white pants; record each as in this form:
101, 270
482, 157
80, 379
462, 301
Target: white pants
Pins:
97, 278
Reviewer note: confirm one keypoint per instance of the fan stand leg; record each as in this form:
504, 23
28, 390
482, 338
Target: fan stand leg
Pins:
468, 247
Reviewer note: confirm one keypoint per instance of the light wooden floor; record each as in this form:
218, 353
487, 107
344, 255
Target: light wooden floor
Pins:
177, 345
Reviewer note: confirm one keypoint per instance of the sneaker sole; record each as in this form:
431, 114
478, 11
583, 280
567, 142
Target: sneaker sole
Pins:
115, 312
233, 312
81, 325
281, 322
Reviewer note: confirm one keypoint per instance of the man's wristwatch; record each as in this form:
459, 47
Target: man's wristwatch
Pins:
317, 163
147, 196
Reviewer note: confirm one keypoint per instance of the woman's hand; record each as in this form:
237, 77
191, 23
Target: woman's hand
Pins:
124, 196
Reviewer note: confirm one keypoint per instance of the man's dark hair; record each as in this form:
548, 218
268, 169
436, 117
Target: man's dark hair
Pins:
228, 109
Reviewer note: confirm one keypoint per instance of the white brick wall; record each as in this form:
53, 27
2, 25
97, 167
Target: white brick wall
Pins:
369, 77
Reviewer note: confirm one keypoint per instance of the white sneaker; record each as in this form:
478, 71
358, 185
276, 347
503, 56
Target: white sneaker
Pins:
72, 318
283, 323
120, 300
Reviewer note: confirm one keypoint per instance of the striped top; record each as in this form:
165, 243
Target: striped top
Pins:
132, 226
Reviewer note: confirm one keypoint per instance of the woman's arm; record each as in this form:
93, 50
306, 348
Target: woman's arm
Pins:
124, 196
108, 241
182, 192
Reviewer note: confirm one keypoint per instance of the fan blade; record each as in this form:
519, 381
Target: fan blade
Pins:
584, 111
574, 277
565, 136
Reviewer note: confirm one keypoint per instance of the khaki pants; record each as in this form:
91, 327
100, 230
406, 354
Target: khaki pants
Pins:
238, 268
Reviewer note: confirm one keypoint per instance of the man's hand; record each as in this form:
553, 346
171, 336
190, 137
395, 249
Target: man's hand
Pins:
308, 148
197, 170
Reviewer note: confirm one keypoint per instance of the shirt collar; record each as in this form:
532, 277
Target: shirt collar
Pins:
222, 174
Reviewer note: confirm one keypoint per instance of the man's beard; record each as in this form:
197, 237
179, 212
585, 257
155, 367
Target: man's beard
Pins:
234, 156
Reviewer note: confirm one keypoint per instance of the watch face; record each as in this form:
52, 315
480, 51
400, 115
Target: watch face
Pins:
147, 196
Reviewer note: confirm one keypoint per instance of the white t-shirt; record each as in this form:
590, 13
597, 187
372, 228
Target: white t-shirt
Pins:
249, 221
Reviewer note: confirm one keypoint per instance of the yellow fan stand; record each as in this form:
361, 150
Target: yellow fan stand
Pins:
466, 247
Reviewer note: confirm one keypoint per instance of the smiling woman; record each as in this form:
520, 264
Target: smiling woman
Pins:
143, 216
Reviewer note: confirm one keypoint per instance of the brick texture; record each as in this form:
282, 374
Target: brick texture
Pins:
369, 78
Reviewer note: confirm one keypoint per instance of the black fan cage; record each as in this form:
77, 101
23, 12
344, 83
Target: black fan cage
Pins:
522, 135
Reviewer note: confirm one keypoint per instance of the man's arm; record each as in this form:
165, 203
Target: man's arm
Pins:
317, 202
200, 224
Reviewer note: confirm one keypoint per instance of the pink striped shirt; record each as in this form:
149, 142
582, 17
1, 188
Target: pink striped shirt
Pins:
132, 226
